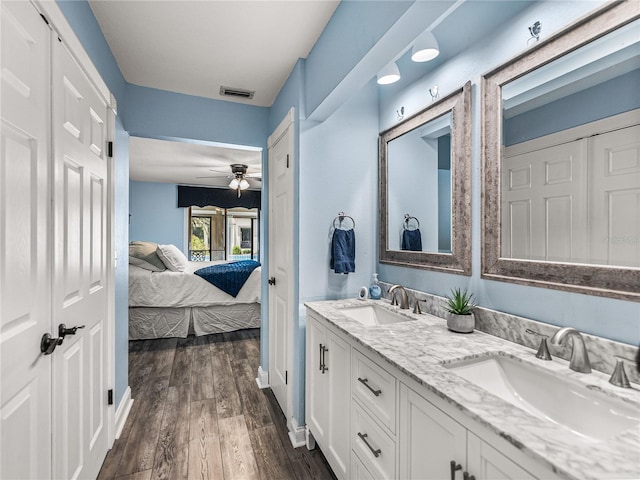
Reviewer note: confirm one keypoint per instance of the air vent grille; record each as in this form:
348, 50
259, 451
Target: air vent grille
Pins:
236, 92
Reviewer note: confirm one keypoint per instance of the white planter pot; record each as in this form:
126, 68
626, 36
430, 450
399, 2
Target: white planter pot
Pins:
461, 323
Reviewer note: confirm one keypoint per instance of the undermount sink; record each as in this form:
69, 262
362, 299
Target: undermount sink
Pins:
370, 315
587, 413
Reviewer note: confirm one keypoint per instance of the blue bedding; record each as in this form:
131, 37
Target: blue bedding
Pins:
228, 277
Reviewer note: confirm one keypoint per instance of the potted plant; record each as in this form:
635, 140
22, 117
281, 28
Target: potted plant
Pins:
459, 309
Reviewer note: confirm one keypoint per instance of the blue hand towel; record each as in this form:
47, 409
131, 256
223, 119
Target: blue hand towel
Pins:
412, 240
229, 277
343, 251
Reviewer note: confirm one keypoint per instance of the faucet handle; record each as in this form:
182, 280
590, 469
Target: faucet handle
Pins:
416, 308
543, 349
619, 376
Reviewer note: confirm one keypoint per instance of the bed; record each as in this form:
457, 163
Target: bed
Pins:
178, 303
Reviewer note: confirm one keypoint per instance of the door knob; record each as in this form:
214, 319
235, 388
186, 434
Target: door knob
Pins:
48, 344
63, 331
272, 280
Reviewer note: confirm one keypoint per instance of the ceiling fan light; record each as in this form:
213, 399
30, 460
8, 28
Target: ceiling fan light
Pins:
389, 74
244, 184
425, 48
234, 183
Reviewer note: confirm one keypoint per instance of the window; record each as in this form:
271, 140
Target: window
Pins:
223, 234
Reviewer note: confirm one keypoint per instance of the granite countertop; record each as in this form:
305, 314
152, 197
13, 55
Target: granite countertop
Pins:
421, 347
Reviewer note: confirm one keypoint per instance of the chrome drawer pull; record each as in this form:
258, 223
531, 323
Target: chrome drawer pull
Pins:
363, 437
365, 382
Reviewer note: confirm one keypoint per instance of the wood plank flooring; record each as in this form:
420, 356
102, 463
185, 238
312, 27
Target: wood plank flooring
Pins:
199, 414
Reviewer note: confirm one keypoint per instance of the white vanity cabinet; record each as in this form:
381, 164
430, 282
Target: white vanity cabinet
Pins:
328, 393
431, 440
373, 421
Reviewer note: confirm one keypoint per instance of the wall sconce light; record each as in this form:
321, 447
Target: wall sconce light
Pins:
389, 74
425, 48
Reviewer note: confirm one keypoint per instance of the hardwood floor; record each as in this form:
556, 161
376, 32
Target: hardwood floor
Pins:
199, 414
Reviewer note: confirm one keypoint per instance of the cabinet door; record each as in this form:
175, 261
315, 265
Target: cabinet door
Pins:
429, 440
486, 463
316, 403
337, 362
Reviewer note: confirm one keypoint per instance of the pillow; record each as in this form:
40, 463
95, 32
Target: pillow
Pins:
144, 255
172, 257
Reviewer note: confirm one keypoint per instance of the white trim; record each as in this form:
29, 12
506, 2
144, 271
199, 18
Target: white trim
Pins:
263, 378
311, 441
297, 433
122, 413
282, 128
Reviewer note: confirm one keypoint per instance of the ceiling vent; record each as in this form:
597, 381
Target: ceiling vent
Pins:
236, 92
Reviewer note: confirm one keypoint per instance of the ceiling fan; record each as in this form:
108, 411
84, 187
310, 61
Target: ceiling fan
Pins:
239, 177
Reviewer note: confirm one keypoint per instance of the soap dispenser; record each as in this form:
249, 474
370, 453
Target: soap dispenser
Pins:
375, 292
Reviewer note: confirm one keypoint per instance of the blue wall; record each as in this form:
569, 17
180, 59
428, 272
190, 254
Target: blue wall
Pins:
621, 94
86, 28
155, 216
609, 318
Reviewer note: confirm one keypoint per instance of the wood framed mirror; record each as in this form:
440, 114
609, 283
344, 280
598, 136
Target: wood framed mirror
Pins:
561, 160
425, 187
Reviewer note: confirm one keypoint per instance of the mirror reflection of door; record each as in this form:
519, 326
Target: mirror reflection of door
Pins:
571, 157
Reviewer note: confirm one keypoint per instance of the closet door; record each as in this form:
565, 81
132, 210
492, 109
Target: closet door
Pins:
25, 300
80, 246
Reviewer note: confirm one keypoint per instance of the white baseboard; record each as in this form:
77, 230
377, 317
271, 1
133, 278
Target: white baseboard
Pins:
311, 441
263, 378
123, 411
297, 433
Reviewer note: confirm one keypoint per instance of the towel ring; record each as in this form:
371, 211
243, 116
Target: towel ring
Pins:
407, 219
340, 218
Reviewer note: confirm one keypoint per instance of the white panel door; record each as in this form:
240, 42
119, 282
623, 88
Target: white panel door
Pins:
280, 266
544, 204
80, 270
338, 367
615, 197
25, 299
316, 382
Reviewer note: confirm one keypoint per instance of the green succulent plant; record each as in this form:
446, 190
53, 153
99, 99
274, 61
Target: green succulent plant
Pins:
460, 302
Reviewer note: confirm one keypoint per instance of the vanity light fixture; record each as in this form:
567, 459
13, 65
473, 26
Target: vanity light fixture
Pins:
389, 74
425, 48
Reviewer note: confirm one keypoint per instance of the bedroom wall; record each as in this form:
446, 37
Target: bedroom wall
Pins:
155, 216
609, 318
86, 28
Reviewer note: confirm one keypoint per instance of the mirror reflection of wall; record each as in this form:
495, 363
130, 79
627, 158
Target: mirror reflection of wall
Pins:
571, 156
419, 185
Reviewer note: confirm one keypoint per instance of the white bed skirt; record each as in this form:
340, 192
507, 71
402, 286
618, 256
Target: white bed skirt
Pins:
149, 322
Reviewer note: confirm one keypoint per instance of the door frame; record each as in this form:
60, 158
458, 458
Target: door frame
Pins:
60, 25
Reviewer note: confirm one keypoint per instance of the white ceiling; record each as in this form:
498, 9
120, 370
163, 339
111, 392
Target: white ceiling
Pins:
194, 47
182, 163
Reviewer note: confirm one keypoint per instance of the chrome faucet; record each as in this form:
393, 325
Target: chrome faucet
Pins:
404, 298
579, 357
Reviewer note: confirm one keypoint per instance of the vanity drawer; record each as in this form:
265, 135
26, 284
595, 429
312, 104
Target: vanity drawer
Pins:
375, 388
375, 448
